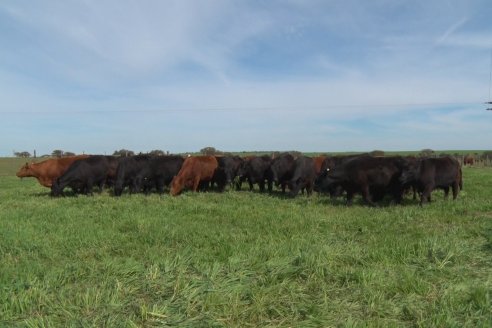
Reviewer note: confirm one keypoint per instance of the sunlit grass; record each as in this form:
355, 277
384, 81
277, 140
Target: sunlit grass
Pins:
243, 259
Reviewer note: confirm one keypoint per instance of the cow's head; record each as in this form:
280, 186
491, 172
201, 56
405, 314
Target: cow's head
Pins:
177, 185
25, 171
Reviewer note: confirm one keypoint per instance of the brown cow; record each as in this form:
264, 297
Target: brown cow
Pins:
194, 170
318, 163
48, 170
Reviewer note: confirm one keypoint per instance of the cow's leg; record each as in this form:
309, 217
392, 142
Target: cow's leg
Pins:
261, 184
350, 198
89, 185
414, 190
196, 183
426, 195
309, 188
446, 192
270, 185
366, 195
456, 189
251, 186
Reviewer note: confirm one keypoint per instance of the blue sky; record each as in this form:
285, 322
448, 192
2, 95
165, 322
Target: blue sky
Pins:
96, 76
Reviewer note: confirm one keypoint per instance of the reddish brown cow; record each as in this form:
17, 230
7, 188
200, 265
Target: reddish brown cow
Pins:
194, 170
318, 162
47, 171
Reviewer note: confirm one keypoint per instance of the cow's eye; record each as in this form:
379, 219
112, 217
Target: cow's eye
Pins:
327, 170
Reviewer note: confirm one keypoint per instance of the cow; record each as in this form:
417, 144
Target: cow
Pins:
127, 173
49, 170
195, 170
318, 163
257, 171
469, 160
228, 167
82, 175
159, 173
303, 176
373, 177
282, 170
428, 174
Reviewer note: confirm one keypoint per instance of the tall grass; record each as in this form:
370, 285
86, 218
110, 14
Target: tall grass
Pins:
243, 259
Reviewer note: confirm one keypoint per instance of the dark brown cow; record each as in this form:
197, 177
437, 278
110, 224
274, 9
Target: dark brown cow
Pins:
48, 170
195, 170
469, 160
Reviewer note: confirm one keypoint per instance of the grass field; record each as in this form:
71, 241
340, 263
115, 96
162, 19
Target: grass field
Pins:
242, 259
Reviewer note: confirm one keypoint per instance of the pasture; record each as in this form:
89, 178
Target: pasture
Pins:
243, 259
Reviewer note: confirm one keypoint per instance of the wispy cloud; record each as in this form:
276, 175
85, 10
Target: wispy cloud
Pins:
241, 75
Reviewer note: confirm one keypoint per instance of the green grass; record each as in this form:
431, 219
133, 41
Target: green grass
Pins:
242, 259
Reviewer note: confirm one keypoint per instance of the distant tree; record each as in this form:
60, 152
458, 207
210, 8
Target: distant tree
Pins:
487, 155
22, 154
123, 153
57, 153
426, 152
157, 152
377, 153
210, 151
68, 153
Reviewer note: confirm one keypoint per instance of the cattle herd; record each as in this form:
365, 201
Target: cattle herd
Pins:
375, 178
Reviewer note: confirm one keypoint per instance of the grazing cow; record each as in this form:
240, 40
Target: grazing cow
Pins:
195, 170
282, 170
82, 175
127, 173
373, 177
159, 172
303, 176
434, 173
227, 171
257, 170
49, 170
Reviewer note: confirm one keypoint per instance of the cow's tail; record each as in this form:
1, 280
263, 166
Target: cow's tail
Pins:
461, 180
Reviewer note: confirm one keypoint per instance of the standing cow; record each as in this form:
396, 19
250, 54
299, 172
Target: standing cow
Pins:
429, 174
257, 171
49, 170
373, 177
303, 176
282, 170
82, 175
195, 171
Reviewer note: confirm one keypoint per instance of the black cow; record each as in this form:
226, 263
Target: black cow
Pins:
82, 175
303, 176
127, 173
329, 163
158, 173
226, 172
428, 174
256, 170
373, 177
282, 170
